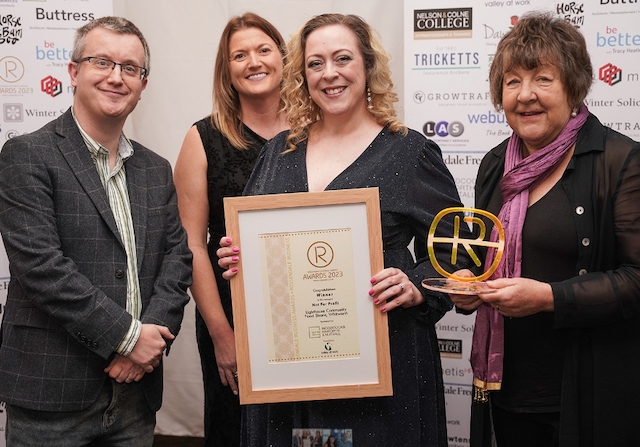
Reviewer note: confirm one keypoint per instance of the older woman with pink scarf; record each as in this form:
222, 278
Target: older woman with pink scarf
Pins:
557, 341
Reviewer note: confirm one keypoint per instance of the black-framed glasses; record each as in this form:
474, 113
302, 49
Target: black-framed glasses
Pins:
105, 64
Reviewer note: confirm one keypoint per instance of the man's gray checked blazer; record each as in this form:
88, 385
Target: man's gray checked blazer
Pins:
65, 313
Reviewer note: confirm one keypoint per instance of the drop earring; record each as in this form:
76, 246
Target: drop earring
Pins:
574, 113
369, 105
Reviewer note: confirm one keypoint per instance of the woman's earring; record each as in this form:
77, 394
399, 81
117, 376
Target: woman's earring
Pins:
574, 113
369, 105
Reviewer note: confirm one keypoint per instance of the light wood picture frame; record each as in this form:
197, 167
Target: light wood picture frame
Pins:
305, 326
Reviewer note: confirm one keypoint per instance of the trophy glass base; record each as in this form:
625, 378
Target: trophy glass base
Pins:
453, 286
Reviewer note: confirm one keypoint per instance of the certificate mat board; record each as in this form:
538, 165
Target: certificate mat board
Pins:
301, 305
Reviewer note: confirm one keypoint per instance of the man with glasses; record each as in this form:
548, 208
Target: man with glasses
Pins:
98, 258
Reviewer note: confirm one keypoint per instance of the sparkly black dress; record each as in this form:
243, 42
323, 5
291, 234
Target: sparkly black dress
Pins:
414, 185
228, 170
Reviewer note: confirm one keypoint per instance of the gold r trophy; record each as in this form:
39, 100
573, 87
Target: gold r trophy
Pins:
450, 282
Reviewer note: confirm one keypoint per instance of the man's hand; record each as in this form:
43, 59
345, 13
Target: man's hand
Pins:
150, 346
122, 369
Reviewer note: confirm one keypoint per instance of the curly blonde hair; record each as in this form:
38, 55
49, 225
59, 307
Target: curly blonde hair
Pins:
302, 111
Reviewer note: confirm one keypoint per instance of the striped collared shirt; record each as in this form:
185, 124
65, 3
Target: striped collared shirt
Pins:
115, 185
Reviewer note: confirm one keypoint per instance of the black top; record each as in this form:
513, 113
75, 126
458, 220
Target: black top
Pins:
414, 185
228, 170
533, 349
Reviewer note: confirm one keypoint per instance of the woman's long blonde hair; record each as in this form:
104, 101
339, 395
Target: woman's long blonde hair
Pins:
302, 111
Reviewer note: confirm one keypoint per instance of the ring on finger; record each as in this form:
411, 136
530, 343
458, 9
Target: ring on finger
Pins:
401, 287
498, 307
235, 375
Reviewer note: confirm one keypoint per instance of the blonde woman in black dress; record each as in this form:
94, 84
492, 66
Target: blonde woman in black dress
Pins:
345, 134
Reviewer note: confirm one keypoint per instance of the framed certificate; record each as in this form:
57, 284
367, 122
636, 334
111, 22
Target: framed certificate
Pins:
305, 325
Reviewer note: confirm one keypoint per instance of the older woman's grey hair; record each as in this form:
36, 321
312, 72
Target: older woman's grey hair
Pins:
539, 38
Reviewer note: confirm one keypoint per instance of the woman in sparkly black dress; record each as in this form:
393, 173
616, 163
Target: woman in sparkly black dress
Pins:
345, 134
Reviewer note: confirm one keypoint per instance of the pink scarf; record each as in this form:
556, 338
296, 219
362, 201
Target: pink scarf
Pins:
521, 175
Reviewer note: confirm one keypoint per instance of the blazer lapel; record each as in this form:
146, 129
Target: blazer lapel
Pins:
137, 186
73, 149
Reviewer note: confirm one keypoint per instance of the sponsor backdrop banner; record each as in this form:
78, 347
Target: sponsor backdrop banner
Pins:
36, 39
449, 46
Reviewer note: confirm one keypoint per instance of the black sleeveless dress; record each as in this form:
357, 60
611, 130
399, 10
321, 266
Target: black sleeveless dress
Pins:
228, 170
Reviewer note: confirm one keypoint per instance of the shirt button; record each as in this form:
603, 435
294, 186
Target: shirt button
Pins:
582, 272
586, 241
579, 210
119, 274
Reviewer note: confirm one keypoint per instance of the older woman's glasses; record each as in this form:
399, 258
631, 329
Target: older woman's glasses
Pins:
105, 64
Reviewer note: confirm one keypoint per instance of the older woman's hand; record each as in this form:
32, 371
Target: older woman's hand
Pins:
392, 288
519, 297
465, 302
228, 257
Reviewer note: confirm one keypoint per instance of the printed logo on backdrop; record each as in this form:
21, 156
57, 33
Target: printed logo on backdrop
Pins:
10, 29
454, 23
12, 113
49, 52
618, 2
610, 74
9, 134
60, 15
464, 185
51, 86
617, 42
502, 3
42, 113
446, 61
11, 69
446, 134
494, 123
572, 12
610, 102
443, 129
456, 372
630, 128
462, 159
11, 72
451, 349
453, 99
461, 390
493, 33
